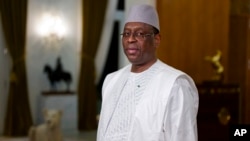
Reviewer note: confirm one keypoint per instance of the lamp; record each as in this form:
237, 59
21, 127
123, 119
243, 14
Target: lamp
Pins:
51, 29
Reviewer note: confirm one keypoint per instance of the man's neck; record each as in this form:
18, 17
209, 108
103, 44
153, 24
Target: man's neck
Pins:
142, 67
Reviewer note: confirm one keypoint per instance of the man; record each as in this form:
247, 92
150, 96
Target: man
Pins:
147, 100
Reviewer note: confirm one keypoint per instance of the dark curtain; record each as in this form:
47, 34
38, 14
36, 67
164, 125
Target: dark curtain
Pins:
93, 17
18, 116
111, 64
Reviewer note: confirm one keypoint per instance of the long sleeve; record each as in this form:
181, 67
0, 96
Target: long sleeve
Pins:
180, 119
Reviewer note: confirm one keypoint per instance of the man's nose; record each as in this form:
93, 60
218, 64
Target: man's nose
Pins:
132, 38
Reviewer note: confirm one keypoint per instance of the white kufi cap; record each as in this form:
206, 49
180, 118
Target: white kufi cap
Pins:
145, 14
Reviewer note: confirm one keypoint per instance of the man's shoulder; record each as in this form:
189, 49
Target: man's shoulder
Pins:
167, 70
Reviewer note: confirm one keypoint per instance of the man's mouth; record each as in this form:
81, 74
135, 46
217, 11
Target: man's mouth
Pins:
132, 50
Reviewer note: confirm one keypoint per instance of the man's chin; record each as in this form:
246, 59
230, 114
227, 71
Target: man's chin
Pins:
135, 62
132, 60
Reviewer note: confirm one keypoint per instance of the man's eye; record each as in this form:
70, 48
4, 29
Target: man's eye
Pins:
139, 34
126, 34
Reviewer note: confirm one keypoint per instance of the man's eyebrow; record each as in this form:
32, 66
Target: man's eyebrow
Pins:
134, 29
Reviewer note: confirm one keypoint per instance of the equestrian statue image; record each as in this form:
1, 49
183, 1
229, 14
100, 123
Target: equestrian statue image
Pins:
58, 74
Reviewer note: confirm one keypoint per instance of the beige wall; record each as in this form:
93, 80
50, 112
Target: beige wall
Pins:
40, 52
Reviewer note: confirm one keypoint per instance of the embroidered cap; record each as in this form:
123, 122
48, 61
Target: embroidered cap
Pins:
143, 13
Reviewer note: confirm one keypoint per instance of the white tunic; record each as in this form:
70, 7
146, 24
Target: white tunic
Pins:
163, 107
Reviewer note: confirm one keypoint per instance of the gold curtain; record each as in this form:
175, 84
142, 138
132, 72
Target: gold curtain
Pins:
93, 16
18, 116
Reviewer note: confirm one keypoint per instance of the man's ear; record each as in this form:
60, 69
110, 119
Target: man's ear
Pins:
157, 39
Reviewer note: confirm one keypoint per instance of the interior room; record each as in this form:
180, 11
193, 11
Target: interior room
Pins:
207, 39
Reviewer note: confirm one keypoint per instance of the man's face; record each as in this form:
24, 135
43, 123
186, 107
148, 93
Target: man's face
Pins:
140, 43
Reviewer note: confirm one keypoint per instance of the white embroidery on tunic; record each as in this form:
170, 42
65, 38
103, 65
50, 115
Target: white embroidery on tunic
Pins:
121, 121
